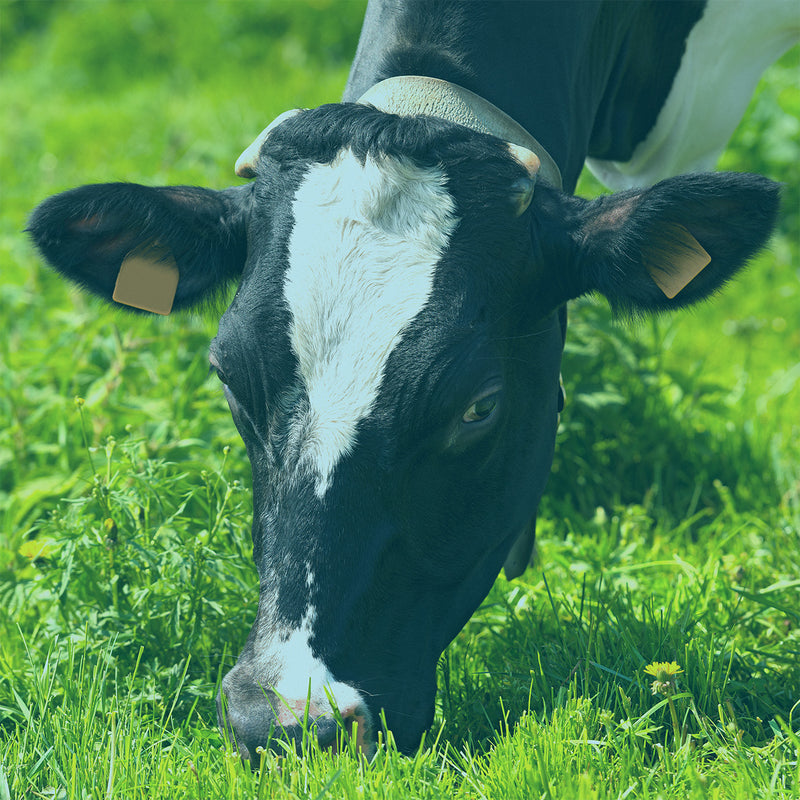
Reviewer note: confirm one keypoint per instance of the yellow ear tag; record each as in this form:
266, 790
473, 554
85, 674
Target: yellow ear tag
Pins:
687, 258
148, 280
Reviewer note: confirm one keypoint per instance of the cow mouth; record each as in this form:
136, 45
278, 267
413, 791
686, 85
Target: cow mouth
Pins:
255, 719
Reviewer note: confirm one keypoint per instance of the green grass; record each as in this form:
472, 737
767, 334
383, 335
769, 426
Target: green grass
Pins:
669, 532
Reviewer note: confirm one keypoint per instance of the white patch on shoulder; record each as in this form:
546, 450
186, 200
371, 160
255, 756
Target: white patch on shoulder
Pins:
726, 52
362, 257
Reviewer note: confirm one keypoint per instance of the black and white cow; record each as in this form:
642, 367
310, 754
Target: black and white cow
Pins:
391, 357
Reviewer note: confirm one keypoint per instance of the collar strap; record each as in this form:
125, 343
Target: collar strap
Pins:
409, 95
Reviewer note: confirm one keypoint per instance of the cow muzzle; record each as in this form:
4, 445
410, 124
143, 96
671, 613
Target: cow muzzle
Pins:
257, 718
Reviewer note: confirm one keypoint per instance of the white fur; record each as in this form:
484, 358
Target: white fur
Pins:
298, 665
362, 257
306, 682
726, 52
298, 676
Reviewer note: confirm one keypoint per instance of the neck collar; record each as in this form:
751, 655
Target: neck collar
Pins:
409, 95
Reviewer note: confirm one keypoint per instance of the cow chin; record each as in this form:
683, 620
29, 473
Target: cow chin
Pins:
407, 713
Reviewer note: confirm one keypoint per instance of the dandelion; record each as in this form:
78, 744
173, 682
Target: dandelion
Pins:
666, 674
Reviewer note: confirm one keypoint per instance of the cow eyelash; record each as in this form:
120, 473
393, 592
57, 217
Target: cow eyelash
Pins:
221, 377
482, 409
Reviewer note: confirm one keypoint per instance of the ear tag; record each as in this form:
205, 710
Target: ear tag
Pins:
148, 280
686, 259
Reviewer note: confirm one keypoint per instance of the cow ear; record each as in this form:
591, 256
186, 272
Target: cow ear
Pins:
176, 245
672, 244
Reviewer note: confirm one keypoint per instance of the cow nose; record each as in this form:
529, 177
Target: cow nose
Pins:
255, 718
326, 723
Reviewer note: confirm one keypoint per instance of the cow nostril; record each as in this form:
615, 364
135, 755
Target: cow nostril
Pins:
353, 723
332, 727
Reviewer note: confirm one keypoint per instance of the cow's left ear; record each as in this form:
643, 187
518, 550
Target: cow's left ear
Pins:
670, 245
150, 248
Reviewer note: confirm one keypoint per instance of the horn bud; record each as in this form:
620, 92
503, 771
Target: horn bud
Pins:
526, 157
247, 163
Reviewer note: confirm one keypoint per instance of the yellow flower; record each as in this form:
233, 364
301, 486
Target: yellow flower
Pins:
663, 670
665, 674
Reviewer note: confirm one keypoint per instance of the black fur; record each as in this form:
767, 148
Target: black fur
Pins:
319, 134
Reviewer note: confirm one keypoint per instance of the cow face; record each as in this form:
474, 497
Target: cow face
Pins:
391, 360
398, 401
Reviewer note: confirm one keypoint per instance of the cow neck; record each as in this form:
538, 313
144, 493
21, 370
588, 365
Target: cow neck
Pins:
409, 95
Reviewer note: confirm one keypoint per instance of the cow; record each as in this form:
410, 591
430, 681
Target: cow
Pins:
404, 258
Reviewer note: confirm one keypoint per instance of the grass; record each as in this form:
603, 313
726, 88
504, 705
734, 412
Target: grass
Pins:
669, 532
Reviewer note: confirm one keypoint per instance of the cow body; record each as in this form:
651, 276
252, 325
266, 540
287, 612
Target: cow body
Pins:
584, 78
391, 357
644, 90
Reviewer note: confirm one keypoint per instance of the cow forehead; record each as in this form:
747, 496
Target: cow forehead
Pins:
362, 255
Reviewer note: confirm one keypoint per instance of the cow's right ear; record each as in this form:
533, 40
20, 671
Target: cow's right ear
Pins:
176, 239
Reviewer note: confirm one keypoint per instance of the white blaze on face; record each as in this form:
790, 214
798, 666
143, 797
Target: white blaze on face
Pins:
306, 685
303, 683
362, 257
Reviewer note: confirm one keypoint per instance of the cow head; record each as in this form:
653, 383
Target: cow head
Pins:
391, 360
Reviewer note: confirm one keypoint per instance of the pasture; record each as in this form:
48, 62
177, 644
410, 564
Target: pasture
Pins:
670, 530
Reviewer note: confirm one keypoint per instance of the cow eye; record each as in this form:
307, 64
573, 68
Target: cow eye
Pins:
213, 366
481, 409
221, 376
